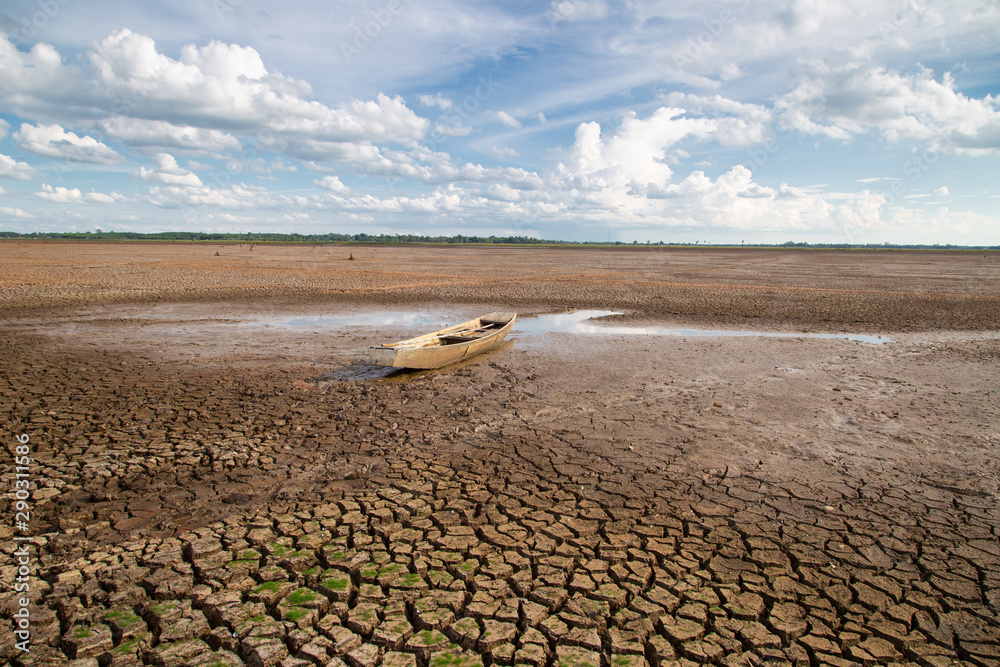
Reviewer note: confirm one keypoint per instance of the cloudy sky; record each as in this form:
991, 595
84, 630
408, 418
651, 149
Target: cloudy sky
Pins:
683, 120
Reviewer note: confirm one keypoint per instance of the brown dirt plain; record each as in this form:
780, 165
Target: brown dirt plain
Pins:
215, 484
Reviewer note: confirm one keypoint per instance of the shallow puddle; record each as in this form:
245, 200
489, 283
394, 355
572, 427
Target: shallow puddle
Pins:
583, 322
576, 322
527, 331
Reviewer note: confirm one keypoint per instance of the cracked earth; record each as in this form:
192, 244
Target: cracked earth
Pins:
213, 493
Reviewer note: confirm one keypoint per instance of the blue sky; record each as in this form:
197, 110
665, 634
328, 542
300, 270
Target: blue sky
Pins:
723, 122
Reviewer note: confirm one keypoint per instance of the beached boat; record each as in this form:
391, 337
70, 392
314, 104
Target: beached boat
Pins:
445, 346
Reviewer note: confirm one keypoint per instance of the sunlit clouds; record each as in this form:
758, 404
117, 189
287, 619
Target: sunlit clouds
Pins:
579, 120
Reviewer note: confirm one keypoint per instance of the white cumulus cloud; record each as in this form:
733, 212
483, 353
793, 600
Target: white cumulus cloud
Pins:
167, 171
848, 100
38, 83
14, 212
435, 101
60, 194
452, 129
333, 184
634, 153
227, 87
55, 142
507, 119
162, 134
11, 168
100, 197
63, 195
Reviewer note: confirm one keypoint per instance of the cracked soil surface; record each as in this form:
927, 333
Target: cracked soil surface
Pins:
212, 486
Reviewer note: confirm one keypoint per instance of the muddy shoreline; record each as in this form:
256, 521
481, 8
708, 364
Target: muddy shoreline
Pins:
807, 289
216, 486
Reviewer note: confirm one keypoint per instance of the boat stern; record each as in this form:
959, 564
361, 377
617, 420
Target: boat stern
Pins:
382, 356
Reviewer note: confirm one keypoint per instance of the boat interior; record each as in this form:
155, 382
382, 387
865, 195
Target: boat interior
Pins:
486, 326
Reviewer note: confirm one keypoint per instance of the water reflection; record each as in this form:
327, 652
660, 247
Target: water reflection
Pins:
363, 369
583, 322
577, 322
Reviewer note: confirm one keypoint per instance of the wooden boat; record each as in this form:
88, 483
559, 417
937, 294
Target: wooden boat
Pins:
445, 346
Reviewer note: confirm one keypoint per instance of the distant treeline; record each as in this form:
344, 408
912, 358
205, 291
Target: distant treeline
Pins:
274, 237
367, 239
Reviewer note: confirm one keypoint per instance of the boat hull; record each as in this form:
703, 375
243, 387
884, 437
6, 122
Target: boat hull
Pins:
445, 346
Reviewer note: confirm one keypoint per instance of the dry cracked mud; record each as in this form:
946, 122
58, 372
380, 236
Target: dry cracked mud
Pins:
562, 501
